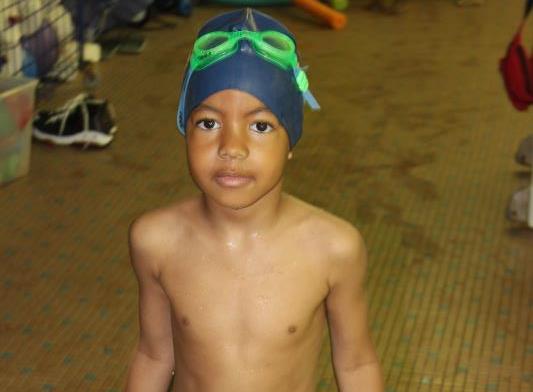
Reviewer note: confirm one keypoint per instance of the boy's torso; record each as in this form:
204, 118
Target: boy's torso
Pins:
248, 316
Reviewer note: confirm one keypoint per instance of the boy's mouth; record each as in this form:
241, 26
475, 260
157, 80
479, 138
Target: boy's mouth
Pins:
232, 179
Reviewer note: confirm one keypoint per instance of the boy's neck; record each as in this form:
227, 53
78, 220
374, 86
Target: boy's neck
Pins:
244, 223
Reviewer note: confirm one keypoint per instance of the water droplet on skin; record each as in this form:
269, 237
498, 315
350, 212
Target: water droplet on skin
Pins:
231, 244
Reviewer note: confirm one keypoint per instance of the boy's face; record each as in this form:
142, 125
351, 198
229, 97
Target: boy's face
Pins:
236, 148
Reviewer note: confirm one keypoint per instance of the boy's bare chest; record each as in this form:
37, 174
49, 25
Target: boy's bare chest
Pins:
255, 296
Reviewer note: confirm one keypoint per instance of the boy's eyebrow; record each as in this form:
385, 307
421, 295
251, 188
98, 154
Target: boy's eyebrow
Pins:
204, 106
259, 109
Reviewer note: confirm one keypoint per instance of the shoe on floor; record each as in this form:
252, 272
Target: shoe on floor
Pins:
518, 207
524, 154
82, 120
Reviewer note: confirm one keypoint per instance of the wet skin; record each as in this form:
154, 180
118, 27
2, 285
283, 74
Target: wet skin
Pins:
244, 317
236, 285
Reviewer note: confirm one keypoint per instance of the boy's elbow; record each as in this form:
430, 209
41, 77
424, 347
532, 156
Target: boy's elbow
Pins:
365, 376
161, 357
149, 373
354, 366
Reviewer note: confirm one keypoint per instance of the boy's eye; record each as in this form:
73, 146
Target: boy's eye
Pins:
208, 124
261, 127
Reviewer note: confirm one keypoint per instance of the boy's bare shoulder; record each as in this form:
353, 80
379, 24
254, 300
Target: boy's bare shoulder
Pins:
337, 237
157, 229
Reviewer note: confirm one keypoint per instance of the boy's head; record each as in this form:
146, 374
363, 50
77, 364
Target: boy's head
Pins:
248, 51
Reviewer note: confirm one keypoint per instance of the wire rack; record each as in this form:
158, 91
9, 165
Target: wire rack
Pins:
43, 38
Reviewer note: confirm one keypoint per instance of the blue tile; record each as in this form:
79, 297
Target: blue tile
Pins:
104, 312
461, 369
406, 339
47, 345
6, 355
8, 283
26, 370
433, 355
86, 336
90, 377
27, 330
9, 252
66, 322
496, 360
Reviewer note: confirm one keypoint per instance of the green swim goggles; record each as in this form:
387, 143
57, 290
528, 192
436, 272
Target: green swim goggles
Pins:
272, 46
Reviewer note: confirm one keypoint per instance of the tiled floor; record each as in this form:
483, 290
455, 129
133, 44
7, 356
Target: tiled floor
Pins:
414, 145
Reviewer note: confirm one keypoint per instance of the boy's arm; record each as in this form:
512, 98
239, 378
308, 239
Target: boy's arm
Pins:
153, 360
354, 358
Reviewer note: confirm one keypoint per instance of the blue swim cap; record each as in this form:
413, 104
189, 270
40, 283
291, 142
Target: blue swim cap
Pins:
246, 71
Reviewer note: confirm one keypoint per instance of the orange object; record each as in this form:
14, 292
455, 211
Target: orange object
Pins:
334, 19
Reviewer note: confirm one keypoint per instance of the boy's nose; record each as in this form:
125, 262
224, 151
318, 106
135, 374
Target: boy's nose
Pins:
232, 145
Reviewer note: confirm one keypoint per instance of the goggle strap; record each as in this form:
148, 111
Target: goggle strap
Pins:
181, 108
303, 85
311, 100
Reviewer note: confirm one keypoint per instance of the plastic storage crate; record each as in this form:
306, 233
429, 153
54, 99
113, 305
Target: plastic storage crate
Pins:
17, 99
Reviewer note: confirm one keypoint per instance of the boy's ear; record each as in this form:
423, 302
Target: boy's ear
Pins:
289, 157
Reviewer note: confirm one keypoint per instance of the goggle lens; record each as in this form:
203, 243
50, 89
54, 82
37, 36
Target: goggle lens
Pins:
279, 44
272, 45
212, 42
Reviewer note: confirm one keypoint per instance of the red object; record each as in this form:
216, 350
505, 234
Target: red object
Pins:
517, 69
517, 73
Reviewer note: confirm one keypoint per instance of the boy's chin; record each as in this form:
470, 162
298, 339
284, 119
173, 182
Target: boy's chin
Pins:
233, 201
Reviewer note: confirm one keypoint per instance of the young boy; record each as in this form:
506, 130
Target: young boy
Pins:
236, 285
